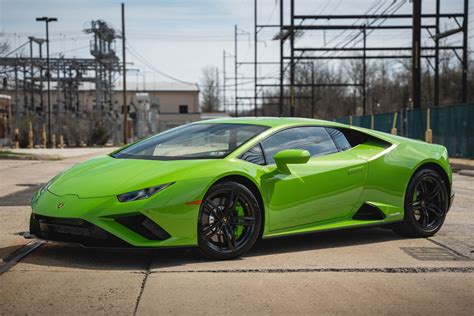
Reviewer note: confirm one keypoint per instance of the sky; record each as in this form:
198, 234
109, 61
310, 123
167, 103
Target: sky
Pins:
180, 37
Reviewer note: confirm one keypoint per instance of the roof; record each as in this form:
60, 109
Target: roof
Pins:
272, 121
159, 86
147, 86
275, 122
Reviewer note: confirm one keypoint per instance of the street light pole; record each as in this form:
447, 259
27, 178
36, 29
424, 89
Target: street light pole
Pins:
48, 76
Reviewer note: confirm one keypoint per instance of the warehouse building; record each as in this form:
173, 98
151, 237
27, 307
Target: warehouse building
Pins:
153, 107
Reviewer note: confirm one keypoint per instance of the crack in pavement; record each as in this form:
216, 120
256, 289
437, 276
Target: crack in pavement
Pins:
142, 288
343, 270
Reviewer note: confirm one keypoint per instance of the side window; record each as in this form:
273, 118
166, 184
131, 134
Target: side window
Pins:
339, 139
254, 155
315, 139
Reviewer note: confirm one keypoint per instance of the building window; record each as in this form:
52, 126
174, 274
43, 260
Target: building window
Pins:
183, 109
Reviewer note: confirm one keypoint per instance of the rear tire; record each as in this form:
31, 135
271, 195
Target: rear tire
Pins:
229, 221
426, 205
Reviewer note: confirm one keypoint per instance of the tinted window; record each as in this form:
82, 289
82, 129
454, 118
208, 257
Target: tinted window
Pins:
316, 140
254, 155
192, 142
339, 139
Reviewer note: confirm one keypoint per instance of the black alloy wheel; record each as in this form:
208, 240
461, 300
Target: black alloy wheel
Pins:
229, 221
426, 205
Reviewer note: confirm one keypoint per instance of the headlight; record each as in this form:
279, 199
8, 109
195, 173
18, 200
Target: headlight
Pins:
142, 194
45, 187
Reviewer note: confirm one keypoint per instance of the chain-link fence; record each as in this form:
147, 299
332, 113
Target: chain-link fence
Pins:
450, 126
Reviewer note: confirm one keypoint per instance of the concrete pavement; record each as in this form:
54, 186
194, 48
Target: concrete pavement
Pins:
357, 272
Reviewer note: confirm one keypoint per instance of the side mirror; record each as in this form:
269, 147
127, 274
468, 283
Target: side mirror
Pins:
290, 156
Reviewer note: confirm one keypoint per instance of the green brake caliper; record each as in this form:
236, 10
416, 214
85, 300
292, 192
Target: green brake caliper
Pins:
238, 229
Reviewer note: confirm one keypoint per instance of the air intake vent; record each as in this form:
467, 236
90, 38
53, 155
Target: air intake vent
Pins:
369, 212
144, 226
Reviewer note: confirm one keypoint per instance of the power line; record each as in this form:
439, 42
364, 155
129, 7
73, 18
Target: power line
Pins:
150, 65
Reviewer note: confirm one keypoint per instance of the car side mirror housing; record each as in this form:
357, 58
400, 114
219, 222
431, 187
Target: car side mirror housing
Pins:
288, 157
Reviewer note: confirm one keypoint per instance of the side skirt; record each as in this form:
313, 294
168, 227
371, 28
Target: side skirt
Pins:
343, 225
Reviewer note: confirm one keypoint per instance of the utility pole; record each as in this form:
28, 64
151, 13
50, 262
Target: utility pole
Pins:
17, 107
436, 66
364, 72
313, 99
235, 71
32, 74
465, 56
25, 89
416, 57
282, 70
255, 58
40, 43
124, 70
223, 81
47, 20
292, 59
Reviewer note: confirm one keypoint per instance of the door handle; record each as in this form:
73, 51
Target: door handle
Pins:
355, 169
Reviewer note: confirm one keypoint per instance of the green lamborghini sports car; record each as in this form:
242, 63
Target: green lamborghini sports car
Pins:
222, 184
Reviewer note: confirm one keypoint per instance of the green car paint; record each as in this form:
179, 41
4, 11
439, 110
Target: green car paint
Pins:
310, 194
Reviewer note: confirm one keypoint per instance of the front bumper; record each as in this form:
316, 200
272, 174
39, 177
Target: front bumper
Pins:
165, 220
73, 230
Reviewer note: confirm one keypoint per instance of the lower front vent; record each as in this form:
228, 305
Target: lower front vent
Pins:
369, 212
143, 226
73, 230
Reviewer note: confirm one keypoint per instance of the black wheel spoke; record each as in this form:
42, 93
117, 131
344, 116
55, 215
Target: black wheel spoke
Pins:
435, 210
208, 209
434, 193
232, 202
424, 218
230, 237
210, 228
244, 221
214, 210
423, 188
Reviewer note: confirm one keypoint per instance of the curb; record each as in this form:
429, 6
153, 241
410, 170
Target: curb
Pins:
8, 156
469, 173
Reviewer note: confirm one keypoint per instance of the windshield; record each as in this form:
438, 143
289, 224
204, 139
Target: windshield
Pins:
194, 141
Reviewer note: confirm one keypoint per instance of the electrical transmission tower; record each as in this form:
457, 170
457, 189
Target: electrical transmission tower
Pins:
293, 26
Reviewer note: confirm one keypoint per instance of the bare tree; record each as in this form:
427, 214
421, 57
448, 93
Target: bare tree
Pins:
211, 99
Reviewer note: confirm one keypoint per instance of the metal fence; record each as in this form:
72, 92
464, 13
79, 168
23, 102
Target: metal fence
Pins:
451, 126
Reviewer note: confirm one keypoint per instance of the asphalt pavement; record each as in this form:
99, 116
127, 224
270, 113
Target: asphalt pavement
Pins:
360, 272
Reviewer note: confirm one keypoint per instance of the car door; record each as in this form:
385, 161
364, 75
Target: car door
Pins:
325, 188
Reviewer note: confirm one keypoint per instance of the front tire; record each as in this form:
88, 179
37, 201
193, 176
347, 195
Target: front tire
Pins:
426, 205
229, 221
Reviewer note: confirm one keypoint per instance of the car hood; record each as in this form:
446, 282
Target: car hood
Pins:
106, 176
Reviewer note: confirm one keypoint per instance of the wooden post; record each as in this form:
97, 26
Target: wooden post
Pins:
17, 138
372, 121
61, 141
394, 126
30, 136
428, 132
44, 136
